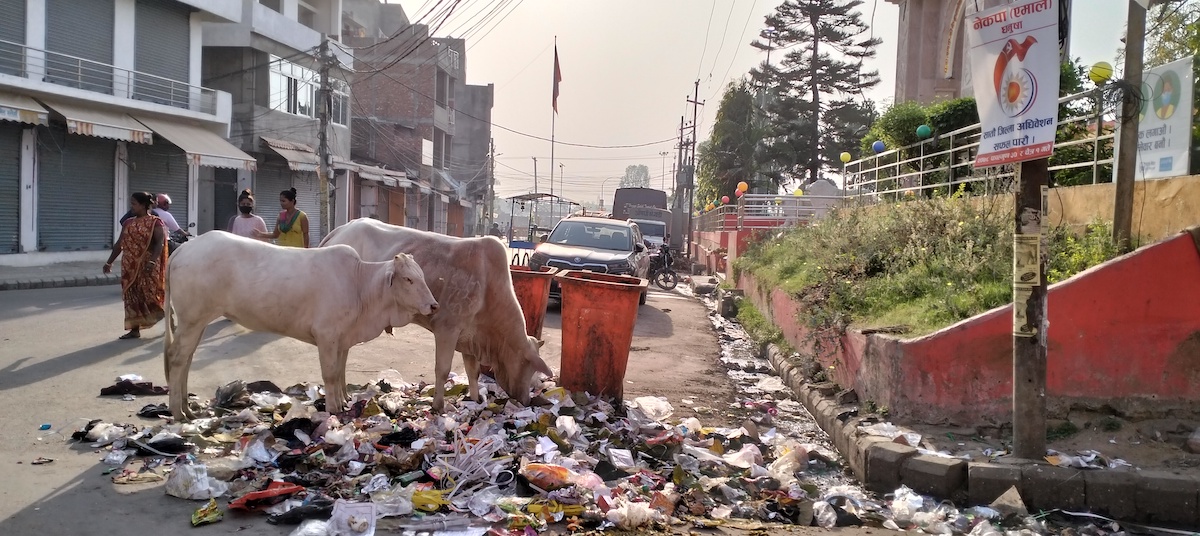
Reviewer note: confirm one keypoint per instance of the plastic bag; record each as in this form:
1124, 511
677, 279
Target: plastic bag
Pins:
985, 528
785, 467
655, 408
191, 481
744, 458
825, 514
629, 516
393, 502
906, 504
312, 527
118, 456
548, 477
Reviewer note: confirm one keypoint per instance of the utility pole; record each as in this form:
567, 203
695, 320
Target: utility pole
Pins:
664, 169
560, 187
323, 167
1127, 157
491, 191
690, 168
533, 204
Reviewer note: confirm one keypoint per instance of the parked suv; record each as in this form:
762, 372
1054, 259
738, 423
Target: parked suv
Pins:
595, 244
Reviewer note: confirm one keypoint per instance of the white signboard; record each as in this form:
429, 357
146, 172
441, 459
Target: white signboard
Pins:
1014, 60
1165, 127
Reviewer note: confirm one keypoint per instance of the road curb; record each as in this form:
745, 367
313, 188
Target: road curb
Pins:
1156, 497
60, 282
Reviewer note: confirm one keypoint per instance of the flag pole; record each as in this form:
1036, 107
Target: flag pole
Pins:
553, 120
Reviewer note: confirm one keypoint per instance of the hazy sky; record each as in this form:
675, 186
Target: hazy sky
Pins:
628, 66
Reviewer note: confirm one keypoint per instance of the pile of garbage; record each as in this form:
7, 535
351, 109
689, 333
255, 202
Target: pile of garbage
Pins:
567, 458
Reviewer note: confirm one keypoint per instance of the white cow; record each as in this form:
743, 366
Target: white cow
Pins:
328, 297
479, 315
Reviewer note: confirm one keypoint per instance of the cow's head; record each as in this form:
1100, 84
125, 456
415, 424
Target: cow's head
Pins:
407, 284
517, 376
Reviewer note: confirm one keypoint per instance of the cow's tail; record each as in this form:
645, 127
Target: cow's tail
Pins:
169, 335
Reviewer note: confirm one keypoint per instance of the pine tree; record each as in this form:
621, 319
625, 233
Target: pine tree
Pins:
815, 85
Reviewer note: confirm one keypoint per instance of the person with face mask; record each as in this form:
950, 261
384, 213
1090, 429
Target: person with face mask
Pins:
247, 224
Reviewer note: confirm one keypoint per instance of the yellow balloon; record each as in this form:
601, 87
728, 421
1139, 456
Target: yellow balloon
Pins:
778, 200
845, 158
798, 192
742, 186
1100, 72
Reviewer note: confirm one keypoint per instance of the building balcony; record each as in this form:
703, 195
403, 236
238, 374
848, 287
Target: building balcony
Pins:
443, 118
266, 22
51, 73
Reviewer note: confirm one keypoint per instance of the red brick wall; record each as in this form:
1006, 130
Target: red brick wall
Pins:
391, 118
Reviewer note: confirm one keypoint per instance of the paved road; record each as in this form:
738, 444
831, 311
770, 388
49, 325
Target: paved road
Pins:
58, 348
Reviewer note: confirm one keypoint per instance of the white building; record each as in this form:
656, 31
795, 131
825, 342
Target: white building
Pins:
98, 99
267, 59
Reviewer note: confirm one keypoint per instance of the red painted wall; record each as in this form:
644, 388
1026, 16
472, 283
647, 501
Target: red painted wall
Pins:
1126, 333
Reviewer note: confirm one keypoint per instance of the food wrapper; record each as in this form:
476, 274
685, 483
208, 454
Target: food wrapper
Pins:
209, 514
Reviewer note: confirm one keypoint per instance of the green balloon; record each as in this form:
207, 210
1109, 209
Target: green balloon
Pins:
924, 131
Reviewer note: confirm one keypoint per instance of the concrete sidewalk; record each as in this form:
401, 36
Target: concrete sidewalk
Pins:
67, 274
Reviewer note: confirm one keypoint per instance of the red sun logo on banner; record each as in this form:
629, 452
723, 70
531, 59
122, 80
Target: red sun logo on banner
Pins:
1016, 87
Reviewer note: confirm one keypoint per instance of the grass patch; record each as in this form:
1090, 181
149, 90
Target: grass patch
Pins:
1110, 424
758, 327
1063, 430
913, 267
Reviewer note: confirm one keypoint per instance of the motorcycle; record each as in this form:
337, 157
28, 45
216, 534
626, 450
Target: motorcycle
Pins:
661, 273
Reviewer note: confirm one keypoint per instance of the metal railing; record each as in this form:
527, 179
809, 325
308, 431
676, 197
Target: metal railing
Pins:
945, 163
766, 211
19, 60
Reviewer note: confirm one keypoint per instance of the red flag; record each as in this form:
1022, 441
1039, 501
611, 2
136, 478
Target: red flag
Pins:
557, 79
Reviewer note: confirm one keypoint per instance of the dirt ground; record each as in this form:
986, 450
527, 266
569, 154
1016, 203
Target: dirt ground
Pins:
1147, 444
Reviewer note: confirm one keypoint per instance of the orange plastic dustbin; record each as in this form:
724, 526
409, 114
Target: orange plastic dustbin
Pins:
598, 315
533, 293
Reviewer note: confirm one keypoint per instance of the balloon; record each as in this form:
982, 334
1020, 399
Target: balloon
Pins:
778, 200
924, 131
1100, 72
798, 192
739, 193
724, 199
878, 146
742, 186
846, 158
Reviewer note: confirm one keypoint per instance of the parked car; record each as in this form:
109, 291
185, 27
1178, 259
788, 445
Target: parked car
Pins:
595, 244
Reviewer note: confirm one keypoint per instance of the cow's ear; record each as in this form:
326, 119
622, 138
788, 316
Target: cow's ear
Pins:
541, 343
391, 278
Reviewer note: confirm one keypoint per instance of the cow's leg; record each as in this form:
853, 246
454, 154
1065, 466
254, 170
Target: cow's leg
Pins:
445, 340
471, 363
343, 356
335, 394
179, 362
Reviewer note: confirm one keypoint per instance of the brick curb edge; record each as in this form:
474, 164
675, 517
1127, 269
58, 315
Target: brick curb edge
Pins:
1150, 496
60, 282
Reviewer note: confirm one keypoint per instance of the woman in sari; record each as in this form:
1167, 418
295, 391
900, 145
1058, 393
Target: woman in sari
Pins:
291, 228
143, 266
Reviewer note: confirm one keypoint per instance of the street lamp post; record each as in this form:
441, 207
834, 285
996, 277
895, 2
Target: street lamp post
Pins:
602, 183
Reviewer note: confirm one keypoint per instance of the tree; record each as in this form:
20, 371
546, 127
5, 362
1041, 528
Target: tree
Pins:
815, 83
728, 157
635, 177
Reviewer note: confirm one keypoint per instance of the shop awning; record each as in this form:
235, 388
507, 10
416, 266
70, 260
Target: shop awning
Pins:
465, 203
202, 146
22, 109
299, 156
387, 177
87, 120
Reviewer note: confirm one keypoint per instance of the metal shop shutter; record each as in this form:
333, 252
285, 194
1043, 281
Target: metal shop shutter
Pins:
270, 179
12, 28
308, 199
83, 30
10, 188
75, 191
162, 47
161, 168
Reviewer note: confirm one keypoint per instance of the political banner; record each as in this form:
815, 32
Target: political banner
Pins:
1165, 127
1017, 44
